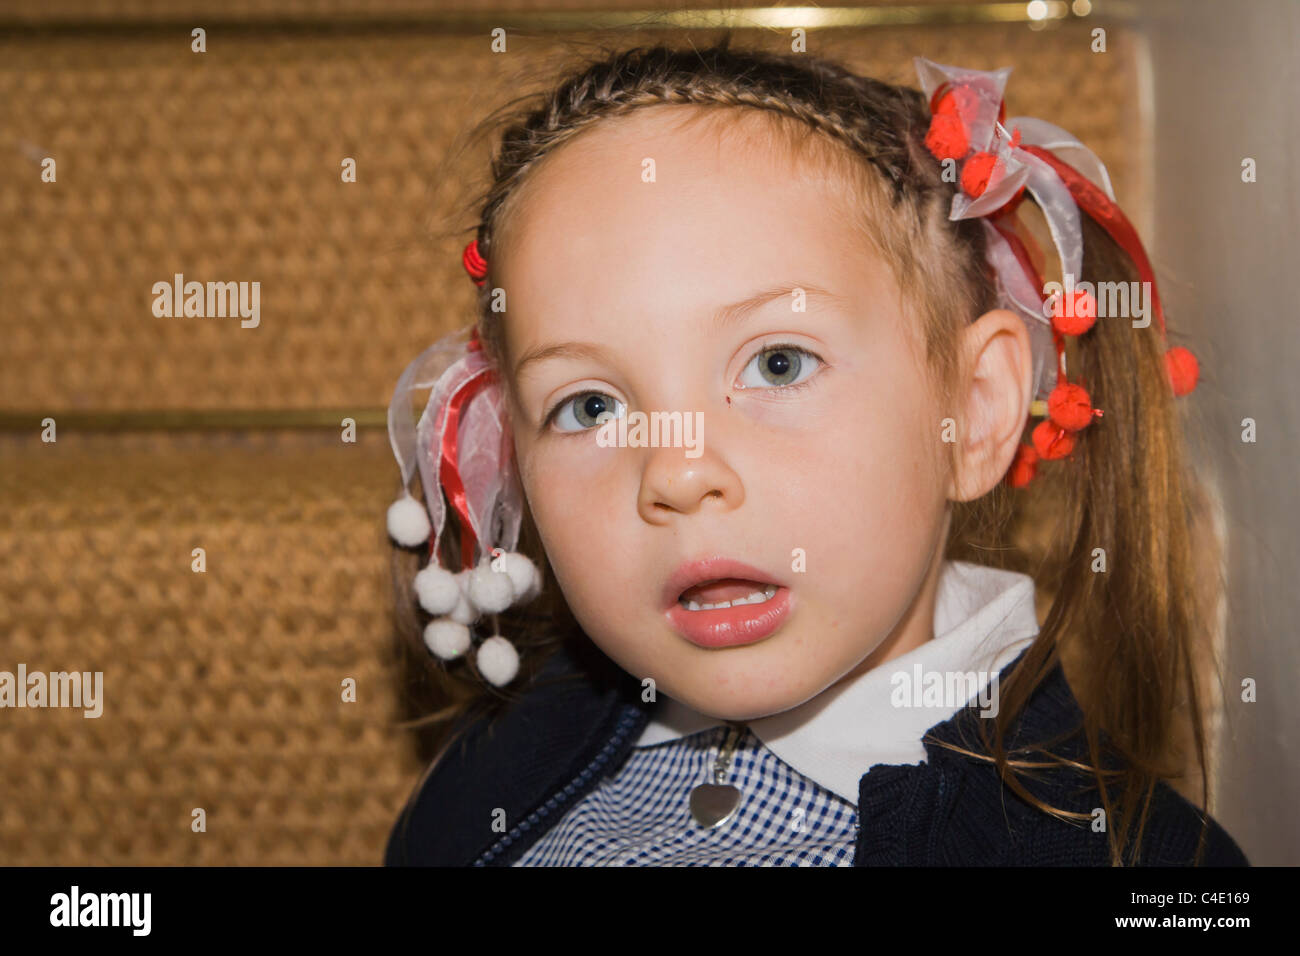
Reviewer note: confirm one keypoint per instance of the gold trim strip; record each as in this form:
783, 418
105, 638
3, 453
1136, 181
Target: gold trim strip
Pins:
194, 419
483, 21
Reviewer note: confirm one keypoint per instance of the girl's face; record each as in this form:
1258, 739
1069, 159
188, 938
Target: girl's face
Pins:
819, 463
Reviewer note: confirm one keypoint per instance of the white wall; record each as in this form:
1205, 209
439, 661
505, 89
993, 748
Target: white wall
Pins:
1225, 85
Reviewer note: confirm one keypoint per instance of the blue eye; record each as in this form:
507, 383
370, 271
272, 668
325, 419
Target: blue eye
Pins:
579, 412
780, 366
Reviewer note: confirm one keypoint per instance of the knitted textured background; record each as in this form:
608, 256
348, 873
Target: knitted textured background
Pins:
222, 690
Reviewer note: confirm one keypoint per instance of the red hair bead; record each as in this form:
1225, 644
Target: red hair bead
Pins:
1051, 441
976, 173
1183, 369
947, 138
959, 100
1070, 407
1023, 467
1079, 317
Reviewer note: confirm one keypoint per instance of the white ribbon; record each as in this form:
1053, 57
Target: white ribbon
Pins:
1017, 167
485, 449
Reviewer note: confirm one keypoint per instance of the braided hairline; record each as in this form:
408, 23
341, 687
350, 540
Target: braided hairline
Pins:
591, 96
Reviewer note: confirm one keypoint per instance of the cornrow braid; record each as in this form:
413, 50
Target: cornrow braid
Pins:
871, 117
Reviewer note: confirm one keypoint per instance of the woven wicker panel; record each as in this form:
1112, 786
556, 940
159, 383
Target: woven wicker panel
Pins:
224, 166
222, 690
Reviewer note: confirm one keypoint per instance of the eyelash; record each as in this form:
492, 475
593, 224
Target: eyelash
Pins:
770, 347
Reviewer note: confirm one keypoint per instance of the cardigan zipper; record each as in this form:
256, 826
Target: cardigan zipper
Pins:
723, 761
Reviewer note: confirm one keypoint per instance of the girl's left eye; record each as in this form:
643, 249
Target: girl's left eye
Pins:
779, 366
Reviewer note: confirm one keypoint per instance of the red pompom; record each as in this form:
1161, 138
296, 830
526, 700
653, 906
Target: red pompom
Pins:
1070, 407
977, 172
961, 101
1074, 315
947, 138
1023, 467
1051, 441
1183, 369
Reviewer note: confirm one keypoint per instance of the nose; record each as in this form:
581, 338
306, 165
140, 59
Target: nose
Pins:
674, 484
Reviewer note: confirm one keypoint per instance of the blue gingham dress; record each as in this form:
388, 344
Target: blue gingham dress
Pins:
641, 816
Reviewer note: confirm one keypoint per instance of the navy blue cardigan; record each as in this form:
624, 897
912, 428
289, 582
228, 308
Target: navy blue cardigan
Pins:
578, 719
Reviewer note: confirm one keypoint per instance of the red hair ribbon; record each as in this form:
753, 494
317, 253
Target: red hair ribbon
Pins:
1107, 215
449, 459
448, 468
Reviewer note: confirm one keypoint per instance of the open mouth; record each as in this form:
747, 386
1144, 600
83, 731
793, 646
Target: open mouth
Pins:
725, 593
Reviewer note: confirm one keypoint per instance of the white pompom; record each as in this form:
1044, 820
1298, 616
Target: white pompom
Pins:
437, 589
488, 590
408, 522
446, 638
464, 612
497, 660
525, 577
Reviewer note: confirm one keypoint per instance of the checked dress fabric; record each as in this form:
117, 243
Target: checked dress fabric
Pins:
641, 815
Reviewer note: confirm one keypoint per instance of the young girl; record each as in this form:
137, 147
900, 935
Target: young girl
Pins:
760, 345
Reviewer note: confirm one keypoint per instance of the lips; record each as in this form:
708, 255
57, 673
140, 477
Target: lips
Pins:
714, 569
758, 605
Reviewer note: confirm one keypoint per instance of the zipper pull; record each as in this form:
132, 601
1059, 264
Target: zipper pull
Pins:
723, 763
713, 804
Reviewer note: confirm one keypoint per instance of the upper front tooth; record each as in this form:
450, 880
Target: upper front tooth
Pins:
755, 597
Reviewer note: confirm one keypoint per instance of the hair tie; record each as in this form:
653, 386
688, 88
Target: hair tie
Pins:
968, 126
474, 263
463, 451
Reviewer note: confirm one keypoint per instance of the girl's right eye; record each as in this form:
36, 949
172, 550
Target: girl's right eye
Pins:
579, 412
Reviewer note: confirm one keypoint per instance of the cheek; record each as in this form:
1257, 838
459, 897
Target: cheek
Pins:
865, 499
574, 516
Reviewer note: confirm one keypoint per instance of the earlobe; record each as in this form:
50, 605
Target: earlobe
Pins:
993, 395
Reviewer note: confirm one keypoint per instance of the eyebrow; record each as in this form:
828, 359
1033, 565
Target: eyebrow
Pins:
722, 318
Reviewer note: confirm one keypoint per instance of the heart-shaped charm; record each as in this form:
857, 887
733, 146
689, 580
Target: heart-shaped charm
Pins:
713, 804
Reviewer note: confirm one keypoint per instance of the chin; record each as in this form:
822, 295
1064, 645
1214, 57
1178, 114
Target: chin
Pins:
741, 705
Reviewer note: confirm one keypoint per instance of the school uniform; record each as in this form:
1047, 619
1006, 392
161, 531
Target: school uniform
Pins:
582, 772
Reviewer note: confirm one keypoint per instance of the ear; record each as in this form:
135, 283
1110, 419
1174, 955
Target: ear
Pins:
993, 401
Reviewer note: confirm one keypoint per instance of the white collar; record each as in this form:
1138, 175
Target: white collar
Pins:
984, 617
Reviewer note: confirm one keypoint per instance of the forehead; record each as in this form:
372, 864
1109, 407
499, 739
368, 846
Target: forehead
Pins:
674, 204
